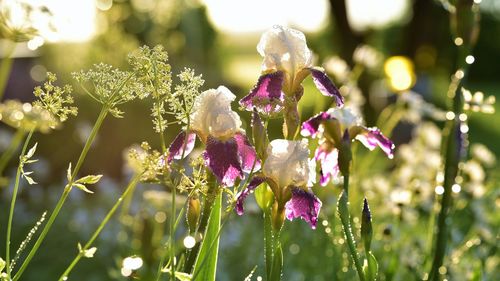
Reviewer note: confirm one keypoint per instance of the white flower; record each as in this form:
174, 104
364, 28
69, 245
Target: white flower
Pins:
288, 163
284, 49
346, 117
213, 114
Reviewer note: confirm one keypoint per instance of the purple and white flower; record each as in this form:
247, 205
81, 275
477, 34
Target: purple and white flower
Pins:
289, 172
331, 128
287, 62
228, 153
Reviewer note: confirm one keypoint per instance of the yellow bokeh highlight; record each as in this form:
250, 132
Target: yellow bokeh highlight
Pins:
400, 73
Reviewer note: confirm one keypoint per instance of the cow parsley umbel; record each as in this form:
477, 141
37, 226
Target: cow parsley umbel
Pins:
111, 86
56, 100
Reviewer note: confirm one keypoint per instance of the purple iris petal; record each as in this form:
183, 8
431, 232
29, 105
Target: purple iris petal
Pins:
256, 181
247, 154
223, 160
304, 205
329, 164
181, 146
311, 126
266, 95
372, 137
326, 86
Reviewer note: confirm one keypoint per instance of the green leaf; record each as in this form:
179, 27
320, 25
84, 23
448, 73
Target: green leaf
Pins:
29, 179
68, 173
82, 187
371, 267
206, 262
181, 276
89, 253
90, 179
31, 152
249, 276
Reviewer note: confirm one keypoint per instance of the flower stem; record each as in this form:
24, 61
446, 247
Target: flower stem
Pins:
277, 258
67, 189
103, 223
343, 209
452, 159
14, 144
13, 203
268, 242
6, 66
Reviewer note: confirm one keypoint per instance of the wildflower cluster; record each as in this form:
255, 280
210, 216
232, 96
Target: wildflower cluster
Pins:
55, 99
154, 73
17, 20
182, 100
147, 162
111, 86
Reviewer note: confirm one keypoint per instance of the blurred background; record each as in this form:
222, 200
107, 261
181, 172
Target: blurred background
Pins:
376, 51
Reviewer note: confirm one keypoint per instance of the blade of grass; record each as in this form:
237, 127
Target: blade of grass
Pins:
206, 262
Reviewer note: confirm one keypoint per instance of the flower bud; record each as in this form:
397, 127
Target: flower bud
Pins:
193, 213
366, 226
277, 216
259, 134
264, 196
345, 154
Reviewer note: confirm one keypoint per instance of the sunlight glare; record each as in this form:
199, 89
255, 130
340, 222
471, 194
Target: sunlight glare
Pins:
366, 14
67, 21
255, 16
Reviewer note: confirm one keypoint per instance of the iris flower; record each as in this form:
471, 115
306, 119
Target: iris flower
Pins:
287, 62
228, 153
333, 127
289, 173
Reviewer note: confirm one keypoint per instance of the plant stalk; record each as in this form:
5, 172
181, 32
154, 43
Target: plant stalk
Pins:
343, 210
103, 223
6, 66
13, 203
67, 189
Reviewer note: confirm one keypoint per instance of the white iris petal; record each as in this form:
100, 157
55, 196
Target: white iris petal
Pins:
284, 49
288, 162
213, 114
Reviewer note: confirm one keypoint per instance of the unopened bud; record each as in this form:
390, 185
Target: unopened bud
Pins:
366, 226
264, 196
193, 213
345, 154
259, 134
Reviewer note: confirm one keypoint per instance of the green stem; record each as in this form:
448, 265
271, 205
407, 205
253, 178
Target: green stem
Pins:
14, 144
268, 242
172, 235
343, 210
6, 66
450, 173
13, 204
67, 189
103, 223
277, 257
